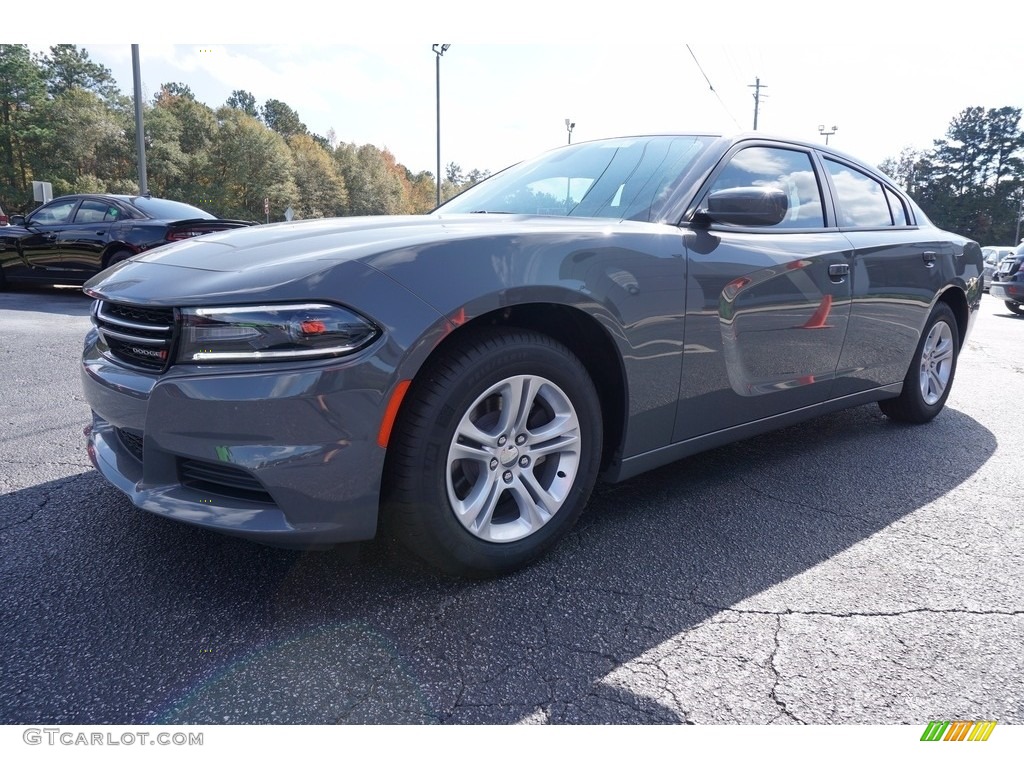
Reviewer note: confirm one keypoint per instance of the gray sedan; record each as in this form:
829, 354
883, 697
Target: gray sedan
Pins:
992, 255
463, 378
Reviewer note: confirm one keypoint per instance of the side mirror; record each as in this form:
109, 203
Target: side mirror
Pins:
747, 206
17, 221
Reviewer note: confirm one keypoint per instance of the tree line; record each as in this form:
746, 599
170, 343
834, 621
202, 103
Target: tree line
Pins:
972, 180
64, 120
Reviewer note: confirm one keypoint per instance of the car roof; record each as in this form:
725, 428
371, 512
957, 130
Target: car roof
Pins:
760, 136
123, 198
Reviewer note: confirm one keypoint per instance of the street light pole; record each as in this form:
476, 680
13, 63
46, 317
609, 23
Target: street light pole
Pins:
439, 49
140, 131
826, 134
569, 125
1020, 213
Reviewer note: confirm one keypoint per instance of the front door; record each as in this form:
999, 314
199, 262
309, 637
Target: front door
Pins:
767, 307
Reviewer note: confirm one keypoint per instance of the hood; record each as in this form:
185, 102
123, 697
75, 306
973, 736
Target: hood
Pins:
267, 245
343, 239
253, 262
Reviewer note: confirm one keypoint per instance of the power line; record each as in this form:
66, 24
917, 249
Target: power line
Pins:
711, 86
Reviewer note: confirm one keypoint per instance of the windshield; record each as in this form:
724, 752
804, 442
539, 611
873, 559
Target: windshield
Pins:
169, 209
616, 179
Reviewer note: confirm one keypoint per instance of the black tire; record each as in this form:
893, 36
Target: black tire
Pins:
118, 256
1014, 307
930, 377
456, 446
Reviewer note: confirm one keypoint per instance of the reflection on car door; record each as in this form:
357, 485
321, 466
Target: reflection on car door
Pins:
767, 307
39, 247
81, 243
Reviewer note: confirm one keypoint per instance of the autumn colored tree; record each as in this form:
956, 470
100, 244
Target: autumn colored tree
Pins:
373, 181
248, 163
320, 189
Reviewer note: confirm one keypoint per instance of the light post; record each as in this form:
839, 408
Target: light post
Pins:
569, 125
1020, 213
826, 134
140, 133
439, 49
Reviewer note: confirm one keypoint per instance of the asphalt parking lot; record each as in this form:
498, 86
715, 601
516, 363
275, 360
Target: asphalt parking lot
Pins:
847, 570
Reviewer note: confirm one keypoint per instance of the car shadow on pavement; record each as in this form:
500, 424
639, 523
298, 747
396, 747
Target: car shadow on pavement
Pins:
112, 615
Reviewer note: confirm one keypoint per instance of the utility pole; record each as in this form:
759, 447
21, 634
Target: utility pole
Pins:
757, 97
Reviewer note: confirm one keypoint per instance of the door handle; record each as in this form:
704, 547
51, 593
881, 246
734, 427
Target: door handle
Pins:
929, 258
838, 272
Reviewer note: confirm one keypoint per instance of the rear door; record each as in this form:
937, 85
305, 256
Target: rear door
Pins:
83, 241
897, 269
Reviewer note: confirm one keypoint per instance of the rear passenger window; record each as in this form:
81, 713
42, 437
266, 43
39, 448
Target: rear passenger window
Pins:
860, 200
899, 211
90, 212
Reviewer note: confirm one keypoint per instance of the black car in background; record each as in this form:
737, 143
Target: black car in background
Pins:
1008, 284
72, 238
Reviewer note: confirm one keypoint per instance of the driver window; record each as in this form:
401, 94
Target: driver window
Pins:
56, 213
788, 170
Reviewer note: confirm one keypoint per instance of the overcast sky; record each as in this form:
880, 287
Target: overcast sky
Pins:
513, 73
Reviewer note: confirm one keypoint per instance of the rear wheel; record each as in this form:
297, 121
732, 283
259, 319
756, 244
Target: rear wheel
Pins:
118, 256
1014, 307
927, 384
495, 453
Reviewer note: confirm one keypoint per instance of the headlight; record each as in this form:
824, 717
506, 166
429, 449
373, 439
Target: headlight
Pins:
270, 332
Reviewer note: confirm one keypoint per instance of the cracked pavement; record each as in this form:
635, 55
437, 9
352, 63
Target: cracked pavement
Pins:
847, 570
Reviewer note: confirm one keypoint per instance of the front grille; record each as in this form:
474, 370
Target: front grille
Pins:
139, 336
222, 479
131, 441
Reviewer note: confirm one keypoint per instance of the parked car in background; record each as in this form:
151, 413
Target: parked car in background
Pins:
71, 238
3, 218
993, 254
1008, 283
464, 377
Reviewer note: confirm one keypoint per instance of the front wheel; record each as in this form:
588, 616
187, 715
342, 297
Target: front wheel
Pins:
495, 453
927, 384
1014, 307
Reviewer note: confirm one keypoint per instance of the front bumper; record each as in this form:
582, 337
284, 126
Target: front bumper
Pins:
287, 456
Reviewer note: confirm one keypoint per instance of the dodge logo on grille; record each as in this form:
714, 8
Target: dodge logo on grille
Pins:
159, 354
